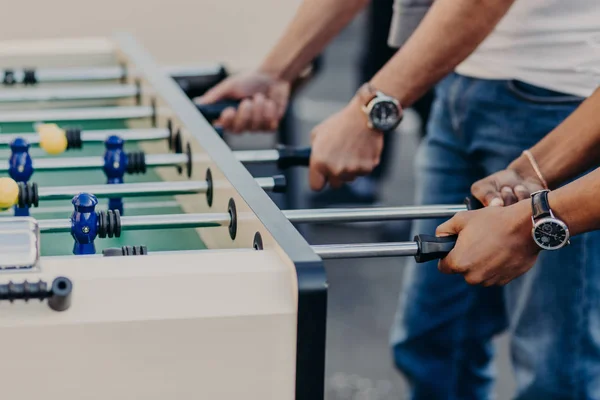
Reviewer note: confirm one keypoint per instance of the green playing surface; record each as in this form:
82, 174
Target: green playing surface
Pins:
62, 243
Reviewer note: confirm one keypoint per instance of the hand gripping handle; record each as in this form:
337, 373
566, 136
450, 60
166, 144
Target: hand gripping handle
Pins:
213, 111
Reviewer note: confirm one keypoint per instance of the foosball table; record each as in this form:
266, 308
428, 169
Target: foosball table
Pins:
140, 259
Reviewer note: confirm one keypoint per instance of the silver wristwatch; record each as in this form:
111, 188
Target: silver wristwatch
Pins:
549, 232
384, 113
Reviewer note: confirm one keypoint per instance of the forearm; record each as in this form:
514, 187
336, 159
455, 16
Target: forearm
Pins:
449, 33
316, 23
568, 151
577, 203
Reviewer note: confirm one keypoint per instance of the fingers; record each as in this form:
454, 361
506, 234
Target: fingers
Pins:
508, 196
316, 177
521, 192
253, 114
257, 112
270, 115
321, 172
487, 193
280, 99
264, 114
503, 188
216, 93
454, 225
445, 266
243, 117
227, 118
336, 175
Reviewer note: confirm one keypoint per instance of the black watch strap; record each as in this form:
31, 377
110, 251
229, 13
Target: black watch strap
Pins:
540, 205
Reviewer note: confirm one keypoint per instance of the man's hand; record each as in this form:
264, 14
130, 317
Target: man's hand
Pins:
343, 147
264, 101
505, 188
494, 244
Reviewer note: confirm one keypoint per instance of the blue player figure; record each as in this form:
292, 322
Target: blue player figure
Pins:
84, 223
20, 168
115, 165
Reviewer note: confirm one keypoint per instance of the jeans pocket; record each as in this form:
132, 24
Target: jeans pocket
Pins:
538, 95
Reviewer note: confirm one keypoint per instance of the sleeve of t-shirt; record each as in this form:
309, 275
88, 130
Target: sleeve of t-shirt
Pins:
408, 14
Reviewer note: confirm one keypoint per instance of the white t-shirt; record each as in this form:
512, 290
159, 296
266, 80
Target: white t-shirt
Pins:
554, 44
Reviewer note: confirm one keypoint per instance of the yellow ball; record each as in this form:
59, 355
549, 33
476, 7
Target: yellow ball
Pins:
9, 193
52, 139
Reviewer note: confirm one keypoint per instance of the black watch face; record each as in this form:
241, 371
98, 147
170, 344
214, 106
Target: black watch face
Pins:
550, 234
385, 116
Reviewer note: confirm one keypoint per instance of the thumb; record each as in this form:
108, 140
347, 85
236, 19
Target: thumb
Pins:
453, 226
214, 94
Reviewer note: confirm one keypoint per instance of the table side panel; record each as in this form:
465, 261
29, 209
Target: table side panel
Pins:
211, 324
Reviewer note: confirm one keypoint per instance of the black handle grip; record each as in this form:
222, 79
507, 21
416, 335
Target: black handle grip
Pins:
196, 85
293, 157
58, 295
433, 247
213, 111
125, 251
472, 203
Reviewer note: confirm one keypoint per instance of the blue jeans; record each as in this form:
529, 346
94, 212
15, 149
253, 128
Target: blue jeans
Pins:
443, 328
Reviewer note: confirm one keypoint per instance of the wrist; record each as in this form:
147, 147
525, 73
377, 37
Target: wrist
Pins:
399, 93
524, 168
356, 108
521, 223
562, 209
271, 71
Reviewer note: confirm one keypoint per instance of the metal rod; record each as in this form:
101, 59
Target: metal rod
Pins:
373, 214
175, 221
180, 221
168, 221
152, 160
76, 114
63, 163
257, 156
124, 190
68, 93
129, 135
109, 73
74, 74
69, 209
166, 160
137, 189
344, 251
99, 136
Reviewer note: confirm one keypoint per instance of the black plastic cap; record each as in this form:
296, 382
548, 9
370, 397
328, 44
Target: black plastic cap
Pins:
279, 184
472, 203
433, 247
60, 300
113, 252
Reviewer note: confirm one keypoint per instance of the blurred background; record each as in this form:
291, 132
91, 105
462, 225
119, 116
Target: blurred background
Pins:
363, 293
